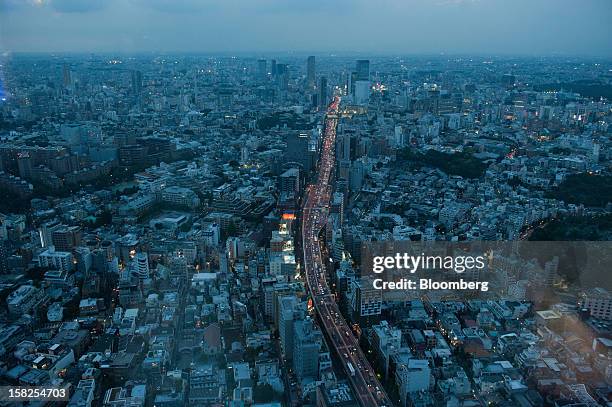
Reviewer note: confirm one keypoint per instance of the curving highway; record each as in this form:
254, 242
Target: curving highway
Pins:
367, 389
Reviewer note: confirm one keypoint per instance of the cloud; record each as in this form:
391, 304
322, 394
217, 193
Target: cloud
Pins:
455, 2
77, 6
58, 6
15, 5
177, 6
306, 6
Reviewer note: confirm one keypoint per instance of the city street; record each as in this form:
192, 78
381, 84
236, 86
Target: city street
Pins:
368, 391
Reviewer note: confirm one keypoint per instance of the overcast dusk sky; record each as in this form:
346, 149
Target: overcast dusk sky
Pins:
533, 27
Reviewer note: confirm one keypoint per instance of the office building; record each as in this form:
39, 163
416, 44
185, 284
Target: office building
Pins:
66, 238
286, 319
289, 181
137, 83
282, 76
362, 92
598, 302
24, 299
323, 99
310, 72
307, 341
298, 150
412, 377
141, 266
262, 69
56, 260
363, 70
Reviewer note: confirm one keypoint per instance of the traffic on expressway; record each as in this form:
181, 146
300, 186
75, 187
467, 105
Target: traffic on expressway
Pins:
361, 376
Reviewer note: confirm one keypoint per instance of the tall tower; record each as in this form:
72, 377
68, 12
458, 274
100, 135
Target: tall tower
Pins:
323, 92
310, 72
24, 163
262, 66
136, 82
282, 76
363, 70
273, 67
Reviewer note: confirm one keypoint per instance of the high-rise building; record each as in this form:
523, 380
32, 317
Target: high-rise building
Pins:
83, 258
99, 262
356, 175
362, 92
24, 163
137, 83
386, 340
411, 377
273, 67
344, 169
298, 150
598, 302
286, 307
45, 231
307, 341
347, 146
323, 91
337, 205
310, 72
365, 301
282, 76
350, 86
262, 66
141, 266
289, 181
363, 70
314, 99
550, 272
66, 238
56, 260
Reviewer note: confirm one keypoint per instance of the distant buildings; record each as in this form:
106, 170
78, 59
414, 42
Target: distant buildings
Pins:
362, 69
150, 232
299, 150
311, 79
323, 98
598, 303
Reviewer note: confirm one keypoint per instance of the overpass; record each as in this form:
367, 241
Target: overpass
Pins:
368, 390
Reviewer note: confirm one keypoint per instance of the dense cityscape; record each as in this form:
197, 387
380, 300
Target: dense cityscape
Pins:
184, 229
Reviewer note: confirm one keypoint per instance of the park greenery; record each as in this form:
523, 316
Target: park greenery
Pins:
460, 163
587, 189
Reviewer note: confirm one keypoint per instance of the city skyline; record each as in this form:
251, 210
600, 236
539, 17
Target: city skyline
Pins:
193, 217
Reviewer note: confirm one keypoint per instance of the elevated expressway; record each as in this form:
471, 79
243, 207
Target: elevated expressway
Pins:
361, 376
